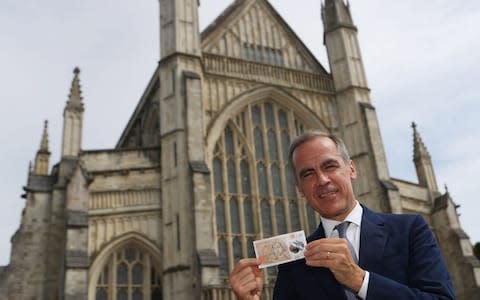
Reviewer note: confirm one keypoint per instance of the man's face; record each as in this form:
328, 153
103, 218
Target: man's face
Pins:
324, 178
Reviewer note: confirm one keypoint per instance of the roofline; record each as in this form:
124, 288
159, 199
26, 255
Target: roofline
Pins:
231, 8
139, 106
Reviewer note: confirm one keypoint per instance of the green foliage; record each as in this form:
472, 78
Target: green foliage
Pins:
476, 250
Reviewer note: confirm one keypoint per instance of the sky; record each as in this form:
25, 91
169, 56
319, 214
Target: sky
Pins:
421, 59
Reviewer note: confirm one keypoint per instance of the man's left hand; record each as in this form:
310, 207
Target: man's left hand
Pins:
334, 254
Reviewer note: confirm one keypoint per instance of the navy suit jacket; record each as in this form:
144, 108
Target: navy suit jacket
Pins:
399, 251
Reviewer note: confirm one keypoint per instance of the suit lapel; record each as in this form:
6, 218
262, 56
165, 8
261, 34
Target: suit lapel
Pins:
319, 233
373, 238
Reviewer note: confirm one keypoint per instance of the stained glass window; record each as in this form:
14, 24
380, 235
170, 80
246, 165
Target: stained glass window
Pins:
294, 215
122, 294
272, 145
285, 144
259, 151
266, 218
220, 211
256, 115
282, 119
228, 141
280, 216
122, 274
262, 180
235, 215
137, 274
237, 250
137, 294
217, 169
250, 249
154, 276
129, 282
254, 189
232, 178
269, 114
292, 190
222, 249
249, 215
101, 294
276, 181
245, 171
130, 254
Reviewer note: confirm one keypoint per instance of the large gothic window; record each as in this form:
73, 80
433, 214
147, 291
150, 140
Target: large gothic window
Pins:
255, 195
129, 274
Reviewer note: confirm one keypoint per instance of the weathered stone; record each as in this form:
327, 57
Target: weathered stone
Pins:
203, 150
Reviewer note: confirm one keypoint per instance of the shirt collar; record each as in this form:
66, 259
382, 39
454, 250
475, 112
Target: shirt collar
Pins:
355, 217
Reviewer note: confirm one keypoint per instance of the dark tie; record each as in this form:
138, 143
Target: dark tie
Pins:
342, 233
342, 230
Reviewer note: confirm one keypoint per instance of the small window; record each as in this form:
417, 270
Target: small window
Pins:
128, 264
263, 54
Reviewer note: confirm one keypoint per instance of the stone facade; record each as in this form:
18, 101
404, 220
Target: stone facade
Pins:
200, 170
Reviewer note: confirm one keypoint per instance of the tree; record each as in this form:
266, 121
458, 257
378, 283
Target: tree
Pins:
476, 250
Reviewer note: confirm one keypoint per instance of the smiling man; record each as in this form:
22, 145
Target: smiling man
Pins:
355, 253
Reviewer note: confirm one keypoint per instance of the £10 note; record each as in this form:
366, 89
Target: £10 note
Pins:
280, 249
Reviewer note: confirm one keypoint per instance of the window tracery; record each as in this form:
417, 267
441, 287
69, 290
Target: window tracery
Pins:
255, 194
129, 274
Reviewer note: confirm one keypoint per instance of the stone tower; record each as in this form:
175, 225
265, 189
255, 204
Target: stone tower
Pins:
183, 157
358, 122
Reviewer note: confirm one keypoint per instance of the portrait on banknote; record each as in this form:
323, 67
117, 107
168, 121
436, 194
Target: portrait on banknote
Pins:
280, 249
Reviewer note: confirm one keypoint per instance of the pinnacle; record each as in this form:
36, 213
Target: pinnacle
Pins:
44, 141
75, 91
75, 97
419, 149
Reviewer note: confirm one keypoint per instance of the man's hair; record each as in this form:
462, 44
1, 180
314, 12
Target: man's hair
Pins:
311, 134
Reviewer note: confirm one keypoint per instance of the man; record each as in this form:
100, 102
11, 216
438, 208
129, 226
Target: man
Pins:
398, 257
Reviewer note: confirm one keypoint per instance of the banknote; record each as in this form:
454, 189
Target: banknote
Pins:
280, 249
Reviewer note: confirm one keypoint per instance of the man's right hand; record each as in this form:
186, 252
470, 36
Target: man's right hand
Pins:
246, 279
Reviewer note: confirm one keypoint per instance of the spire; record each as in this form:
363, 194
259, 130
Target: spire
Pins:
44, 141
419, 149
336, 13
43, 155
423, 163
75, 97
73, 119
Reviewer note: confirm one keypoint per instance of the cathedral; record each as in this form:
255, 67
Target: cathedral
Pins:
201, 169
